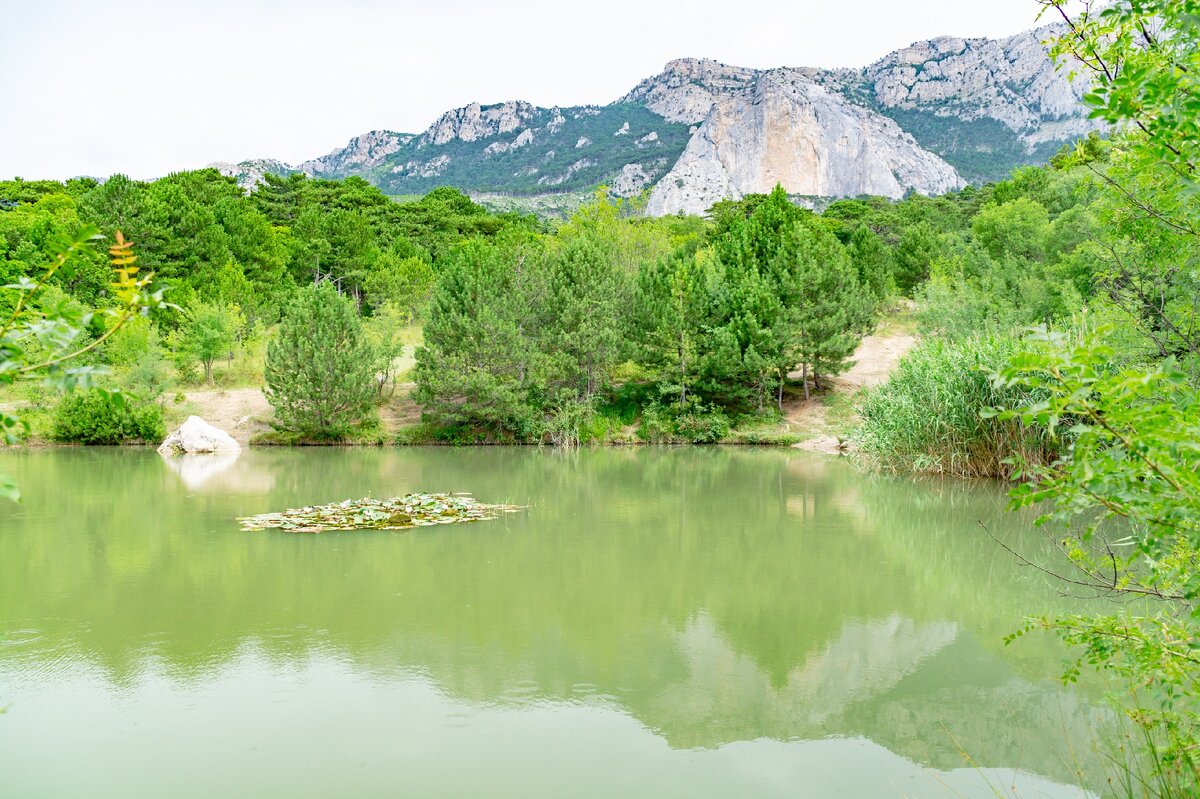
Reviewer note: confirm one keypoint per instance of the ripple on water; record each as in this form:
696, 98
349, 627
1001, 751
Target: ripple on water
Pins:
521, 690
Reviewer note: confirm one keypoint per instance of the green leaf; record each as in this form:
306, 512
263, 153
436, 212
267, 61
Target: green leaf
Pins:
8, 488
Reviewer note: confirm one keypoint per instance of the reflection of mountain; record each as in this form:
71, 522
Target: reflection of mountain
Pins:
729, 698
714, 595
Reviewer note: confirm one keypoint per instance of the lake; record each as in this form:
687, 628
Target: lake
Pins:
660, 622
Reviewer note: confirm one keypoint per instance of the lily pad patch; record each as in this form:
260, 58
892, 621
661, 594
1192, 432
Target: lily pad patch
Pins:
397, 513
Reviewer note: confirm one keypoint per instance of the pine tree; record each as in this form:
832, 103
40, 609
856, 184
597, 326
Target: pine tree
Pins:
320, 368
749, 305
831, 309
672, 310
589, 296
479, 366
873, 262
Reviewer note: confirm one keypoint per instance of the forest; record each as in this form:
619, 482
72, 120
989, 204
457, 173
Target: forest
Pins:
687, 328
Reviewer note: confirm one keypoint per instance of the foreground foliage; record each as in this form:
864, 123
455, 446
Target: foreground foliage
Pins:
397, 513
1133, 459
45, 336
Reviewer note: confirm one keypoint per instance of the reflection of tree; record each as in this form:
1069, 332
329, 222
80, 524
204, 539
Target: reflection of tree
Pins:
715, 594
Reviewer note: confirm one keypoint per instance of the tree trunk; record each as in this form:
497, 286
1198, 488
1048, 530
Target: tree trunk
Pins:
804, 380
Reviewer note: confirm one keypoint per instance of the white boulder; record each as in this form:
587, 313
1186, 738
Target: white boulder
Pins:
196, 436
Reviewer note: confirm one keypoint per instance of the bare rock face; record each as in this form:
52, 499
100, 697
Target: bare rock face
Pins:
687, 88
250, 173
474, 122
982, 106
631, 181
555, 180
523, 138
788, 130
198, 436
1010, 80
360, 154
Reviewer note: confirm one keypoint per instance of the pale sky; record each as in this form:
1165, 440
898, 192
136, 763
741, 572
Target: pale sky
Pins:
145, 87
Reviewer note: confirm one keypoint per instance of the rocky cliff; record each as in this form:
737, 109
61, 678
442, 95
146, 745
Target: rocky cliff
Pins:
362, 154
927, 118
759, 129
986, 105
1011, 81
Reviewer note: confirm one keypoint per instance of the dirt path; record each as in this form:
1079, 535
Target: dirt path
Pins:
874, 361
241, 412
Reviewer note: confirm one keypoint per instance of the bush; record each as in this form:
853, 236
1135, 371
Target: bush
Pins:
691, 423
927, 417
97, 417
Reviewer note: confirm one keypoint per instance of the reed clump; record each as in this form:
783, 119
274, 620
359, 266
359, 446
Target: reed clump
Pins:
927, 418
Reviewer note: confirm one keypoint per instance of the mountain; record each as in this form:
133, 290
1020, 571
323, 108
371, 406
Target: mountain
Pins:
985, 105
758, 128
928, 118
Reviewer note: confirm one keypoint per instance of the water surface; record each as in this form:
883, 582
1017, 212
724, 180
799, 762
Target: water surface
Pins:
659, 623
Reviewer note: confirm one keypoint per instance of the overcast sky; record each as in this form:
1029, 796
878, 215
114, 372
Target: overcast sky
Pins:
93, 87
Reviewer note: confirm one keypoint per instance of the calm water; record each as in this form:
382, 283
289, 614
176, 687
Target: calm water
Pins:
659, 623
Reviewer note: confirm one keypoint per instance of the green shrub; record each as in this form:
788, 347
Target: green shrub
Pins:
927, 417
691, 423
97, 417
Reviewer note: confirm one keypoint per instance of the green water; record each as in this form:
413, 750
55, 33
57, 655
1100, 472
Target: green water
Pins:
659, 623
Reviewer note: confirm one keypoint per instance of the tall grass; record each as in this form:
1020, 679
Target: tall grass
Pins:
927, 417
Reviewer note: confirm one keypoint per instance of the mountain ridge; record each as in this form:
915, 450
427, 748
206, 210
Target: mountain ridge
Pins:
928, 118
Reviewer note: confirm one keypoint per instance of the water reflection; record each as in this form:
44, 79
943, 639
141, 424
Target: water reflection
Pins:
197, 469
708, 619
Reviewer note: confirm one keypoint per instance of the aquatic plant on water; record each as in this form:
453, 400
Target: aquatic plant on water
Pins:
397, 513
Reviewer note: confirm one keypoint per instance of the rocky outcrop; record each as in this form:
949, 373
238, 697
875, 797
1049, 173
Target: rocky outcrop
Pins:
474, 121
557, 180
495, 148
785, 129
361, 154
426, 169
197, 436
1012, 81
687, 88
250, 173
631, 181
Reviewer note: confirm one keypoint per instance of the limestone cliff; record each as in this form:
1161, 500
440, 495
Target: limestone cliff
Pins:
1009, 80
362, 154
475, 121
779, 127
250, 173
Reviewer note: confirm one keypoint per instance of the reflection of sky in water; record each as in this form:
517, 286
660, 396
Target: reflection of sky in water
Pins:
320, 729
658, 623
